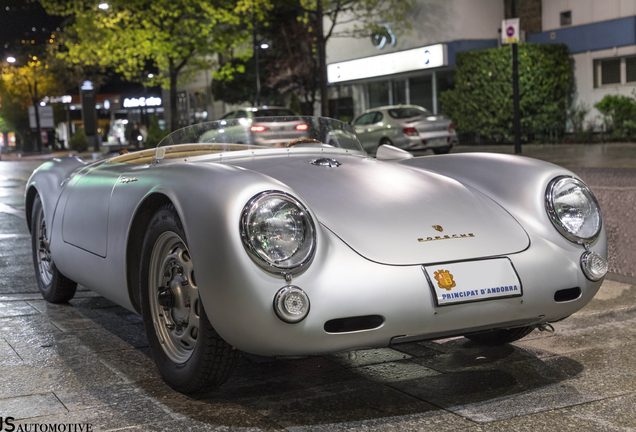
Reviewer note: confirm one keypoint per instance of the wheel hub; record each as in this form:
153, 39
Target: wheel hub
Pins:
175, 303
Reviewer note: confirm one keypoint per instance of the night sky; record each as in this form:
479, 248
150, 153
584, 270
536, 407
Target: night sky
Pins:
24, 23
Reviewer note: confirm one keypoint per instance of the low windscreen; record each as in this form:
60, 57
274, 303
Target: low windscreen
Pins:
269, 132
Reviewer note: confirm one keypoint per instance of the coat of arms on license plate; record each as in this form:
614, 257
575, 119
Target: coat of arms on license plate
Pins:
444, 279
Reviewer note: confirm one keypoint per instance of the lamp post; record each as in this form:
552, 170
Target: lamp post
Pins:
516, 120
257, 48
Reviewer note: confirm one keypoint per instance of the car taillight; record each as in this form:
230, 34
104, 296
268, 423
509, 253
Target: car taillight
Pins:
258, 128
410, 131
451, 128
302, 127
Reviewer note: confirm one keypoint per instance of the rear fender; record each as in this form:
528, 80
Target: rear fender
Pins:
48, 181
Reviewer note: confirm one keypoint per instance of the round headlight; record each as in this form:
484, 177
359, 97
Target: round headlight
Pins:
573, 209
278, 231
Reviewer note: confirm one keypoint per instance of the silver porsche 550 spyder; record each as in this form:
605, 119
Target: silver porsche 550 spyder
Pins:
310, 246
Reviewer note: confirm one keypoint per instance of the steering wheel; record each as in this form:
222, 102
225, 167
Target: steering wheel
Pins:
302, 141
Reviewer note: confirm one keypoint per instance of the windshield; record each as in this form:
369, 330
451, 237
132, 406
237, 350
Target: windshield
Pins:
268, 132
407, 112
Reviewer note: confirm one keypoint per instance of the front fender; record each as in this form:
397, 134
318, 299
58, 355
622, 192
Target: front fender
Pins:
209, 199
517, 183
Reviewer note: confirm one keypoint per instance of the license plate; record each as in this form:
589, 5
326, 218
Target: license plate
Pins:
436, 141
473, 281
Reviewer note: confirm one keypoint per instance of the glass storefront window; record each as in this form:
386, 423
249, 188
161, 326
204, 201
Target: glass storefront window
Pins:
378, 94
421, 89
399, 92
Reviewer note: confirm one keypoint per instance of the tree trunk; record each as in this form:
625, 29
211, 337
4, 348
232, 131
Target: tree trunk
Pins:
174, 112
36, 105
322, 62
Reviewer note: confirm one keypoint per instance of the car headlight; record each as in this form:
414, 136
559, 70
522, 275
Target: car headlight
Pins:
278, 232
573, 209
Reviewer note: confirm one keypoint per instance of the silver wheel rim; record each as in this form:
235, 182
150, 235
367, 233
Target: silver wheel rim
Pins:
43, 253
176, 327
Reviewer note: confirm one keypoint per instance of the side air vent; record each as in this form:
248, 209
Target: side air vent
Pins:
565, 295
352, 324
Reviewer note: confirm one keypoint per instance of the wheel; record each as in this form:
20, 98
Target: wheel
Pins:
500, 337
189, 353
54, 286
441, 150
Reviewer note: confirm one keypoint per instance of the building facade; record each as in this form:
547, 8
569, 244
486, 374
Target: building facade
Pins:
411, 67
601, 36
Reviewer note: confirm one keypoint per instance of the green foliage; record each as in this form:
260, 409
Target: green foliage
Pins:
482, 98
235, 82
368, 15
27, 83
577, 116
174, 37
619, 115
294, 103
78, 141
155, 134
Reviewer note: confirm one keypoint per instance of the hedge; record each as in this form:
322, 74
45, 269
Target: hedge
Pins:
482, 98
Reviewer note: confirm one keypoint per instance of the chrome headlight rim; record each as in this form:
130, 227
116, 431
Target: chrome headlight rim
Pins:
556, 221
252, 250
584, 261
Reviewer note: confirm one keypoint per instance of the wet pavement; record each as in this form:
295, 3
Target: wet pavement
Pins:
87, 362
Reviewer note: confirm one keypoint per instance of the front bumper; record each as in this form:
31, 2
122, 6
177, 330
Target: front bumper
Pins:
340, 284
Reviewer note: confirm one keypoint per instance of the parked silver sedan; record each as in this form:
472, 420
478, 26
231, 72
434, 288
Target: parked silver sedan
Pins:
254, 127
409, 127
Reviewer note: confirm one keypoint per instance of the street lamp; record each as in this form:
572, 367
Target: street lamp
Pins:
11, 59
103, 6
257, 48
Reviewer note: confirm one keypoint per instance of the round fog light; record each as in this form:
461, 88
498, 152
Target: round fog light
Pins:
291, 304
594, 265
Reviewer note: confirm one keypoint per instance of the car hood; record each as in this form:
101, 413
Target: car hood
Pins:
398, 215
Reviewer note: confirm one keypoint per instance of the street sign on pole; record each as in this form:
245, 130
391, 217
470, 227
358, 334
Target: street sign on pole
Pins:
46, 117
510, 31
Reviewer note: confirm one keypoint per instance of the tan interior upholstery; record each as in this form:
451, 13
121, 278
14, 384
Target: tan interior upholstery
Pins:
178, 152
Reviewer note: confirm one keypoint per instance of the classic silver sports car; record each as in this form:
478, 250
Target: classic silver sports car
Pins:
310, 246
409, 127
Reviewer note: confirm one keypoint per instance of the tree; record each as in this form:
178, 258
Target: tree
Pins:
351, 18
292, 63
175, 37
25, 82
233, 83
481, 100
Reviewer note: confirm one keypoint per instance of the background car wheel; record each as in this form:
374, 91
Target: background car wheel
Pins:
500, 337
441, 150
188, 352
54, 286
